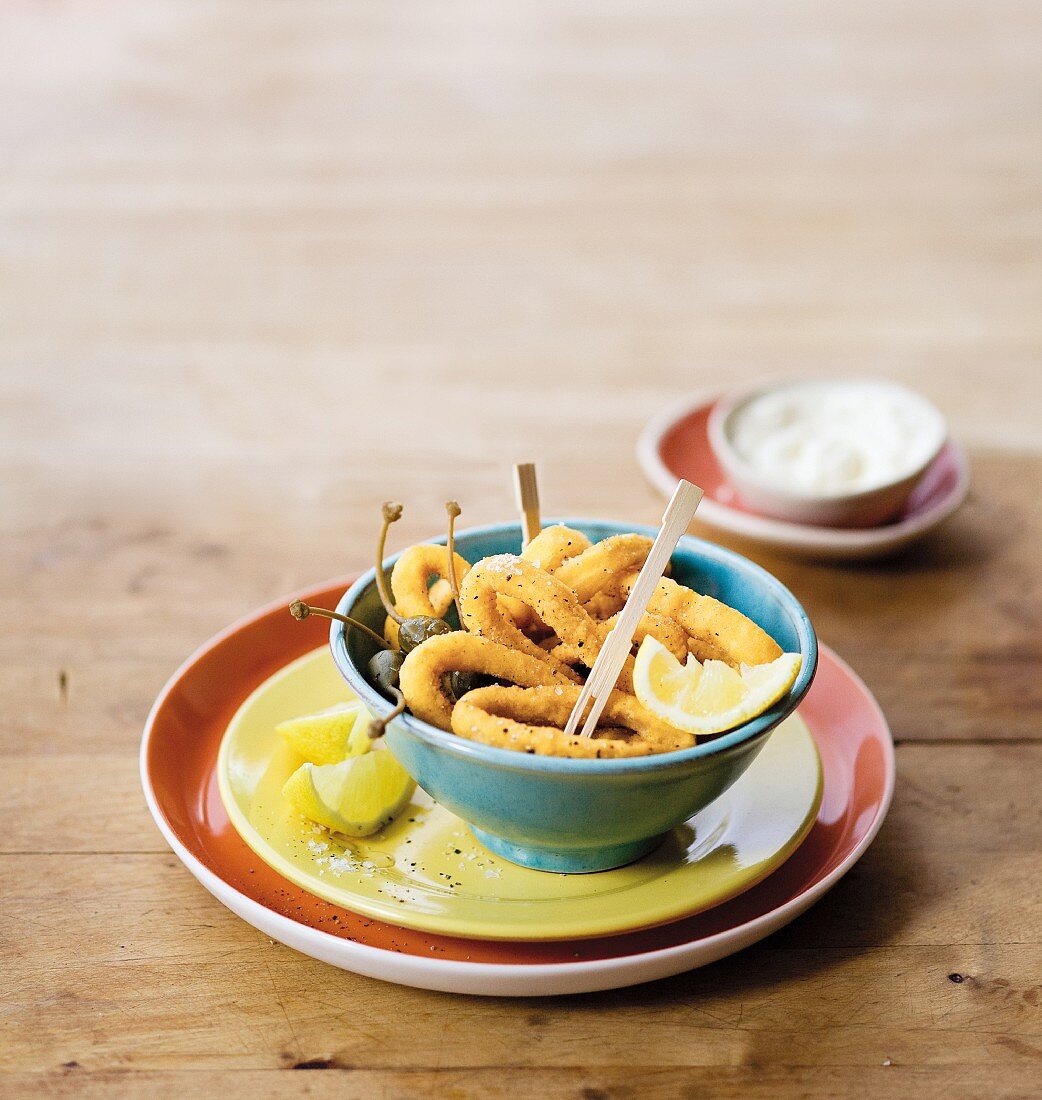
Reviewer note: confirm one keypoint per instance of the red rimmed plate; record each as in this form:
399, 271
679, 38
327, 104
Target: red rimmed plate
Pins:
676, 445
178, 769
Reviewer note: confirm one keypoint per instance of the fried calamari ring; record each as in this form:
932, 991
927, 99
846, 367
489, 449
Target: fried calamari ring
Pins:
411, 580
552, 546
581, 636
555, 603
555, 545
607, 603
411, 584
423, 673
602, 565
531, 720
660, 627
715, 630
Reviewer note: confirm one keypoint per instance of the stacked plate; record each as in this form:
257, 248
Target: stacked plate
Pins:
678, 444
423, 904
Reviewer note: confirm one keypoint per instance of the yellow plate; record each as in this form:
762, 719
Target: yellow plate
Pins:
426, 871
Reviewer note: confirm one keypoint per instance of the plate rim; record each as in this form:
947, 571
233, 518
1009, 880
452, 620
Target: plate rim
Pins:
781, 533
498, 979
256, 841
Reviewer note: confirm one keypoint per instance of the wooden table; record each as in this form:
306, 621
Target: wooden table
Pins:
264, 265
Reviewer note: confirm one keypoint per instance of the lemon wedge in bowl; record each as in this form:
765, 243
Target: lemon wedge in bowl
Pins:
357, 797
329, 736
711, 697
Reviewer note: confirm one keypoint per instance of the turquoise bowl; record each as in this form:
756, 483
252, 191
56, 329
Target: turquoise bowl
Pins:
562, 815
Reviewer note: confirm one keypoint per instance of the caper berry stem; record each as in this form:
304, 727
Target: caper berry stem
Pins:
392, 512
453, 509
378, 725
300, 611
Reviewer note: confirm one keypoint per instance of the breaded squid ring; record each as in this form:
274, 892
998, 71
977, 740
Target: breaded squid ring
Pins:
531, 720
601, 565
715, 630
607, 603
660, 627
422, 675
665, 630
552, 546
555, 603
411, 584
581, 636
555, 545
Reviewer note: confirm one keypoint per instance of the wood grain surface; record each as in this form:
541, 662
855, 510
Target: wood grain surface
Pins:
264, 265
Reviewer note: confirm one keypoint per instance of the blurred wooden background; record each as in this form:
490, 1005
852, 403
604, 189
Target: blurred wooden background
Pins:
263, 265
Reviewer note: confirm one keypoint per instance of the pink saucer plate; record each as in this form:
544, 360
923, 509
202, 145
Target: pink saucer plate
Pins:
676, 445
179, 774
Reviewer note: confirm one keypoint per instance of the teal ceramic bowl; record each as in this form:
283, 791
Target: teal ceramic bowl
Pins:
562, 815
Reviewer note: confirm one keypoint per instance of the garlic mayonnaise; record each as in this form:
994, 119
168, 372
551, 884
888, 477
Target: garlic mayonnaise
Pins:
832, 438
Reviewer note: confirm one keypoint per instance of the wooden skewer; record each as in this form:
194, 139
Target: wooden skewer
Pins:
526, 490
605, 672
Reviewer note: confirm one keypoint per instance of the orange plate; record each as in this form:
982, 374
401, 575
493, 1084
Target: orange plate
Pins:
184, 733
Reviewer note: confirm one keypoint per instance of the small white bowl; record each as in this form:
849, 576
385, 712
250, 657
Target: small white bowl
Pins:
864, 506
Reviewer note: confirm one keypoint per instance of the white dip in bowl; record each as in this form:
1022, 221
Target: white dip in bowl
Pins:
836, 452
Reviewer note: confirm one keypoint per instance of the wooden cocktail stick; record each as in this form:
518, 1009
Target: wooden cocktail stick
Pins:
605, 672
526, 490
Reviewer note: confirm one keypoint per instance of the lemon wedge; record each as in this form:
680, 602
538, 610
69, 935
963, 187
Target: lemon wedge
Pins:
358, 796
329, 736
711, 697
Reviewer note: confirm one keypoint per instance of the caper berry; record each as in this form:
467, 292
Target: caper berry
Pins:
300, 611
462, 682
378, 725
384, 667
416, 630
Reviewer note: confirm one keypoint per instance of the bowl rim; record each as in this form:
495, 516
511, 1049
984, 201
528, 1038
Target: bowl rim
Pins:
728, 404
735, 739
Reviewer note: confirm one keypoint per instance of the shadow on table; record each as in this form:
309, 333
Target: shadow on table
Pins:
867, 909
960, 543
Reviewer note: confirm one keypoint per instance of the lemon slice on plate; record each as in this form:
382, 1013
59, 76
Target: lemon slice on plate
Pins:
710, 697
329, 736
358, 796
